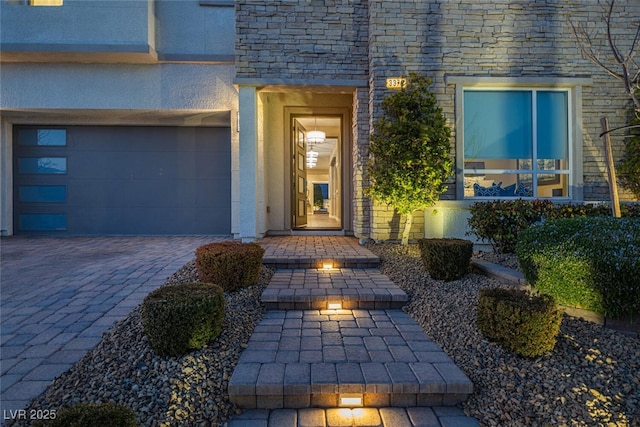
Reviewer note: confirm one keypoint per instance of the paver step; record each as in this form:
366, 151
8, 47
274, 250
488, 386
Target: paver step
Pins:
439, 416
316, 252
321, 261
305, 289
313, 358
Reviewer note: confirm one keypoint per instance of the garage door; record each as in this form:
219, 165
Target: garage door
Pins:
122, 180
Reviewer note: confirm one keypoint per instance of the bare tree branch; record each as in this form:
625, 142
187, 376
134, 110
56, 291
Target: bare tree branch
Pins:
625, 67
585, 44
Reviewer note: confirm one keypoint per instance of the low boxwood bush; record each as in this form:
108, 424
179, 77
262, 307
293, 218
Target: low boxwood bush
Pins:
446, 259
591, 263
230, 264
93, 415
180, 318
526, 324
499, 222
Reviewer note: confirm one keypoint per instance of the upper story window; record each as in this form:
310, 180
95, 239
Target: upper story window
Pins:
35, 2
516, 143
45, 2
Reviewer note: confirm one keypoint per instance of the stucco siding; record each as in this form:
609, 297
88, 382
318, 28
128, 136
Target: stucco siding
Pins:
78, 27
189, 31
118, 86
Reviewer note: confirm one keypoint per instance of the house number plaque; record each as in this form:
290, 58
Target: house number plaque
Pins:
396, 83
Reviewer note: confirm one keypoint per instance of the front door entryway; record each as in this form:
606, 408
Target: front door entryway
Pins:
299, 189
316, 178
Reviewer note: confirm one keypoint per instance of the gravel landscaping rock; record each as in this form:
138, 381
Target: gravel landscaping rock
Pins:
591, 378
506, 260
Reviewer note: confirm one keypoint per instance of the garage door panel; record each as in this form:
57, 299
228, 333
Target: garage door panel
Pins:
148, 139
137, 180
137, 221
149, 193
148, 165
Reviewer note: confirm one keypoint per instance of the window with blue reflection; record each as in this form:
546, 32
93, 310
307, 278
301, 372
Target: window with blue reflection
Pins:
552, 125
42, 193
43, 222
497, 125
516, 143
42, 137
42, 165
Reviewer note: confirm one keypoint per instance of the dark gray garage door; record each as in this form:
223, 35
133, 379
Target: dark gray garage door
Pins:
122, 180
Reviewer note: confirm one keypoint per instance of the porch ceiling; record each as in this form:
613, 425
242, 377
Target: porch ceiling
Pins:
307, 89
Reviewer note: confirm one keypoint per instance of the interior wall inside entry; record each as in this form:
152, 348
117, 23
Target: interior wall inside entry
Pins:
279, 109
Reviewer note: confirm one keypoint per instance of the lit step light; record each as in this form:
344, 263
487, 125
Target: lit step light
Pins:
350, 400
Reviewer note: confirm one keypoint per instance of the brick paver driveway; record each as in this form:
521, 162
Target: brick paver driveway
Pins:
58, 295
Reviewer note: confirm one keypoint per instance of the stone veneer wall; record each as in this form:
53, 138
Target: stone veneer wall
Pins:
361, 205
500, 38
345, 40
301, 39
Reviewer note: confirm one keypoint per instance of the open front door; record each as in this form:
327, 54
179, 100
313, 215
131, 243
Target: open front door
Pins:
299, 178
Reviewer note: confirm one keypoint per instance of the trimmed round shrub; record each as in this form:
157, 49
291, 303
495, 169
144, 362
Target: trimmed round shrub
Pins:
446, 259
526, 324
93, 415
232, 265
589, 263
181, 318
499, 222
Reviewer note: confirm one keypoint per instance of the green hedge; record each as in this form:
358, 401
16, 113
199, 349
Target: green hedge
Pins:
499, 222
92, 415
180, 318
526, 324
590, 263
232, 265
446, 259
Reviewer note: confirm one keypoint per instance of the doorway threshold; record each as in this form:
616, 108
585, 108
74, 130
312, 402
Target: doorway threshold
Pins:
317, 232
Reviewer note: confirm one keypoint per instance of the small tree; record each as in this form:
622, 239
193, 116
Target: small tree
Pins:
623, 40
620, 64
409, 151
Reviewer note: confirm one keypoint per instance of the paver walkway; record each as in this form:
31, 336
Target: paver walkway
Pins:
58, 295
306, 355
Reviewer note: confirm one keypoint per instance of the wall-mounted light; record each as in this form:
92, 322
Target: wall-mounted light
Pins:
328, 265
350, 400
334, 305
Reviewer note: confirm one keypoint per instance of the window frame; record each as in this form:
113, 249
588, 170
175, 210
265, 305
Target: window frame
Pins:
571, 85
534, 171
